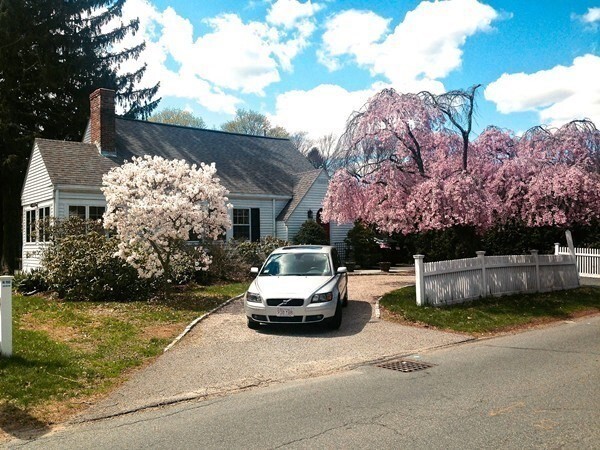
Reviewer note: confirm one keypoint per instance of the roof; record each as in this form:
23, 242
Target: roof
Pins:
304, 249
245, 164
302, 184
73, 162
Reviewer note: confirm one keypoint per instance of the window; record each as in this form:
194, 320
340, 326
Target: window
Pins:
246, 224
37, 224
44, 224
30, 225
86, 212
336, 259
241, 224
77, 211
96, 212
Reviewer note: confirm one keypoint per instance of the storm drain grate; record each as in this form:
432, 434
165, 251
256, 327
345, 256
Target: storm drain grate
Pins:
404, 365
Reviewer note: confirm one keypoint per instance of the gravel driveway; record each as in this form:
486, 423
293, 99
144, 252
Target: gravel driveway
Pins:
221, 355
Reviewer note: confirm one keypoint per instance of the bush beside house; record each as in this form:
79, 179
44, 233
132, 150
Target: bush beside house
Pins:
311, 233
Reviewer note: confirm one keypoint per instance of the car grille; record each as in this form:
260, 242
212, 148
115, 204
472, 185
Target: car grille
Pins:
295, 319
290, 301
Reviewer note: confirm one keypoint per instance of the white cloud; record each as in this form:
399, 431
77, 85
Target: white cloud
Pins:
423, 48
592, 15
289, 12
235, 55
351, 32
321, 110
558, 95
232, 57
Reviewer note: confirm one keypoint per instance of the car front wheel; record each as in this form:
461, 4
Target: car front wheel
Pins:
335, 322
253, 324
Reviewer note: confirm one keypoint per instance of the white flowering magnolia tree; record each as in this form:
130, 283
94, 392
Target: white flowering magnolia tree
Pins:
154, 204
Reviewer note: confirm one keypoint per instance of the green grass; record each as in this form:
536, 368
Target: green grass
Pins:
67, 352
495, 314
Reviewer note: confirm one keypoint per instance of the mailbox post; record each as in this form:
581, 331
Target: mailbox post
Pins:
6, 315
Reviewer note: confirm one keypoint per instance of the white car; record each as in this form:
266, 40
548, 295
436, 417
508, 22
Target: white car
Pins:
298, 284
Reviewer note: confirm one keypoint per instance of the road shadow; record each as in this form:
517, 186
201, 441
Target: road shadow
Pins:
355, 317
20, 424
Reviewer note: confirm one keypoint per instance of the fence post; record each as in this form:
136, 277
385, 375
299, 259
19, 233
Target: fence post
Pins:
481, 256
556, 248
419, 279
536, 258
6, 315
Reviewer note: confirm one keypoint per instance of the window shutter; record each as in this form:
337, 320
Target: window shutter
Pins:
255, 224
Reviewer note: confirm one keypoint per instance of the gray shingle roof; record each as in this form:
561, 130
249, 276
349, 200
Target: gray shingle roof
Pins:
303, 182
245, 164
73, 162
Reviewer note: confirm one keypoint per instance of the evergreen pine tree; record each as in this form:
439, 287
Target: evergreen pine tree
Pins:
53, 55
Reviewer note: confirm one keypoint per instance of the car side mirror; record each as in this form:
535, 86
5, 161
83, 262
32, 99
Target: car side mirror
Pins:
342, 270
253, 269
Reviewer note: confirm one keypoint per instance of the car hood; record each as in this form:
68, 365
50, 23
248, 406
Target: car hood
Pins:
288, 286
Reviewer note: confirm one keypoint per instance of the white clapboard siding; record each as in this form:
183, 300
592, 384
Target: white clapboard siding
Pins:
269, 210
456, 281
282, 230
38, 186
588, 260
313, 200
338, 232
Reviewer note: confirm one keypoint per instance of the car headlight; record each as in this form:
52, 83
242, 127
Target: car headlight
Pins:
254, 298
319, 298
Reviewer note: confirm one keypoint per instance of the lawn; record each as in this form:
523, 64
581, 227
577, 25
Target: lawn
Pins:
493, 314
66, 354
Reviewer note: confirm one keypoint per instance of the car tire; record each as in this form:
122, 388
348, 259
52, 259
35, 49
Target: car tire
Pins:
345, 300
253, 324
334, 323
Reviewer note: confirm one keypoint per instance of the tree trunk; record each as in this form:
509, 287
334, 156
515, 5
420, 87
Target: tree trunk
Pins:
11, 224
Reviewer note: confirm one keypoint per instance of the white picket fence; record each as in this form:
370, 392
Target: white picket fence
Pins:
588, 260
460, 280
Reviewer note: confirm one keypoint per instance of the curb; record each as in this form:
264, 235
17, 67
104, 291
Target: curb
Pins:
377, 310
196, 321
368, 274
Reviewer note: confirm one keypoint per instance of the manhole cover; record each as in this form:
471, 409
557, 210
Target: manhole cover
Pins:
404, 365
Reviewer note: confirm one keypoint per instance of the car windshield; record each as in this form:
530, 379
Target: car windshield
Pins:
297, 264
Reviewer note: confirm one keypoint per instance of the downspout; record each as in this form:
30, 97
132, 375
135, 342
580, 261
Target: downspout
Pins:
56, 191
274, 219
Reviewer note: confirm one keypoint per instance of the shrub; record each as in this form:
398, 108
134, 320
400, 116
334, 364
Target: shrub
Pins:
227, 263
231, 261
80, 264
365, 249
30, 282
311, 233
255, 253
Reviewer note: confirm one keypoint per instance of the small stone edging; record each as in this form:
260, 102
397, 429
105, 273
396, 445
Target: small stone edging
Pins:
198, 320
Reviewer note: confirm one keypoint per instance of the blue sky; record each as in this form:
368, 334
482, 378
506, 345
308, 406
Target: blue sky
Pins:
309, 64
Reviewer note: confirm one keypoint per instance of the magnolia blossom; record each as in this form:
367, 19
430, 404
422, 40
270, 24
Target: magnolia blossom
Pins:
154, 204
405, 174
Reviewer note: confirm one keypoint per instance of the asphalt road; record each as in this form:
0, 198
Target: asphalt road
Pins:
538, 389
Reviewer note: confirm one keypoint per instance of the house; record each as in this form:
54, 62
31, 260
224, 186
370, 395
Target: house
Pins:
273, 187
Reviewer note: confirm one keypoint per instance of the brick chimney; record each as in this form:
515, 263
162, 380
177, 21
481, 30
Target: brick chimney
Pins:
102, 120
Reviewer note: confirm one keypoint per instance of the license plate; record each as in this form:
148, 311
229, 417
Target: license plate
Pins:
285, 312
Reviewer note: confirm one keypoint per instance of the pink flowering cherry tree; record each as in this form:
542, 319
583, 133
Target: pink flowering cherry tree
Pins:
404, 169
154, 204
